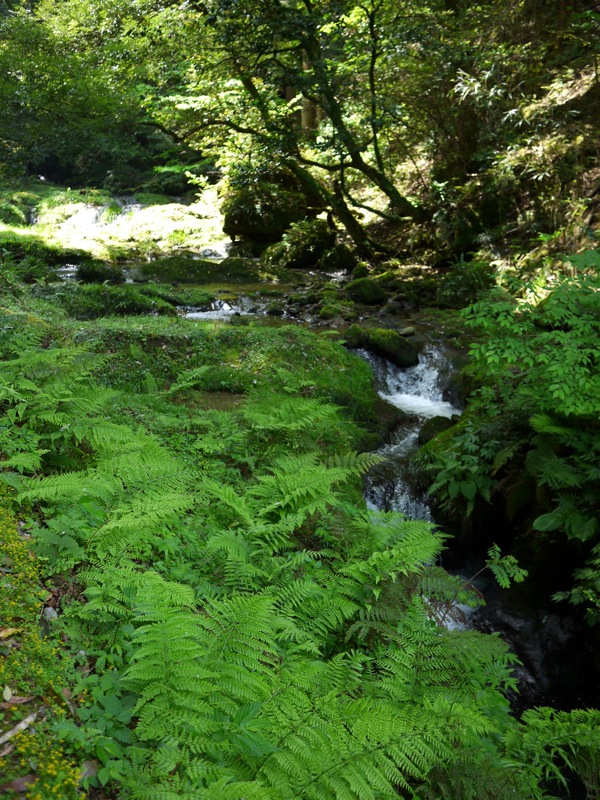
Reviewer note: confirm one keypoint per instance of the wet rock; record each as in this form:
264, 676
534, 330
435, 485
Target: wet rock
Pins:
389, 344
355, 337
388, 417
432, 427
364, 290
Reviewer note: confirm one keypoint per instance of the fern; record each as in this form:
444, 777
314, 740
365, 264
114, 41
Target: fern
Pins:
356, 464
297, 487
550, 740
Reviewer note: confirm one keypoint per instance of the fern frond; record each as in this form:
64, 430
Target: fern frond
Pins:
227, 496
297, 485
356, 463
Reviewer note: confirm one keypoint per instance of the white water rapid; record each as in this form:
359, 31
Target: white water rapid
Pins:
418, 392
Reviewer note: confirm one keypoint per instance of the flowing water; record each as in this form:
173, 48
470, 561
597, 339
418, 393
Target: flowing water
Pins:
418, 392
222, 310
542, 637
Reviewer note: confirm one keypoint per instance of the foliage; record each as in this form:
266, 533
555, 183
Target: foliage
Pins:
301, 246
464, 283
530, 436
228, 593
231, 621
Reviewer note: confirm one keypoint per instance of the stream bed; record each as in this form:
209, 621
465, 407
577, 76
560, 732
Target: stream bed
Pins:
546, 638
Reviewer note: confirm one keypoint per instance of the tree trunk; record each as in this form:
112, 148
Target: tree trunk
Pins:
365, 246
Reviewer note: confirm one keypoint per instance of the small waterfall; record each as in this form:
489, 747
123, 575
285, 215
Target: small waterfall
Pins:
222, 310
418, 392
219, 309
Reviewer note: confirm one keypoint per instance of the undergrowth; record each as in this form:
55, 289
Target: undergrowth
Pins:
230, 621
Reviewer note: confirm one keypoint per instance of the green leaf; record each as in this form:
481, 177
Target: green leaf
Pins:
468, 489
548, 522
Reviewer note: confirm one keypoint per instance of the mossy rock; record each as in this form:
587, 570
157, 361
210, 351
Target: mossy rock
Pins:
360, 271
302, 299
301, 247
394, 307
179, 296
95, 300
338, 259
262, 212
274, 309
389, 344
433, 427
364, 290
236, 269
330, 311
98, 272
187, 268
355, 337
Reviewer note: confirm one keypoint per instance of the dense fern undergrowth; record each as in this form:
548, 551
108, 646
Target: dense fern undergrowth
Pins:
223, 617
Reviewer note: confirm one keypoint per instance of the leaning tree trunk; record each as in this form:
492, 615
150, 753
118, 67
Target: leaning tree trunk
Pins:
365, 246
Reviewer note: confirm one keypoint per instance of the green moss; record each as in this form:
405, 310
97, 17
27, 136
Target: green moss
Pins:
98, 272
364, 290
301, 247
240, 359
94, 300
187, 268
355, 336
329, 311
360, 271
389, 344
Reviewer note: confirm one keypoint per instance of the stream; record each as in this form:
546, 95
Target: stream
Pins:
543, 637
417, 392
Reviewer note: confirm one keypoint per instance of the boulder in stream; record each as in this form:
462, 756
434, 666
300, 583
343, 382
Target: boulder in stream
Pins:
384, 342
391, 345
364, 290
433, 427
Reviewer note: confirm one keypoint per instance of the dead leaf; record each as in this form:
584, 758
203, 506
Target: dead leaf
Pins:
19, 784
15, 701
7, 750
89, 769
6, 632
7, 693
